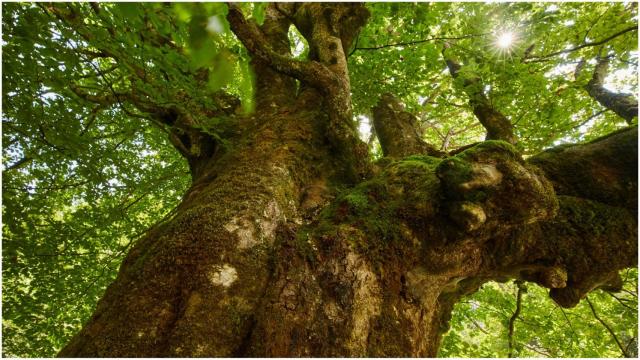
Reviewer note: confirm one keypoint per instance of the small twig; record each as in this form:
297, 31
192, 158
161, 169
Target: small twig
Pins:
568, 321
584, 38
355, 46
590, 118
538, 351
19, 163
515, 315
478, 326
416, 42
594, 43
631, 341
621, 301
593, 310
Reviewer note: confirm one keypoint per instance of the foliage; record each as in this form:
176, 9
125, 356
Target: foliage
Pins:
541, 96
543, 329
83, 180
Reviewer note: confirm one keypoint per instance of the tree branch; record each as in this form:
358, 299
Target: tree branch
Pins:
397, 130
589, 44
516, 313
497, 125
417, 42
624, 105
19, 163
573, 332
311, 72
613, 334
621, 302
546, 354
603, 170
592, 234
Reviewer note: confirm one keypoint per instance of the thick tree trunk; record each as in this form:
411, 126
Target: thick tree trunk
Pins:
281, 248
243, 270
190, 287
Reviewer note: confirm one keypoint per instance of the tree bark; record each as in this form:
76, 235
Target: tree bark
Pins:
239, 272
291, 243
624, 105
497, 125
396, 130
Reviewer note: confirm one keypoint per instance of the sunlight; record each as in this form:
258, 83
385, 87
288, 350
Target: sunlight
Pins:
505, 40
364, 127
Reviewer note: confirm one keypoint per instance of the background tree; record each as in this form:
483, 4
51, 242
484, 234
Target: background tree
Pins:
238, 126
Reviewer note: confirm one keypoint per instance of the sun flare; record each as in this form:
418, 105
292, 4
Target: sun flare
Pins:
505, 40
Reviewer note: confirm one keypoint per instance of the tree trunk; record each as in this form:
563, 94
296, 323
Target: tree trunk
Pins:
291, 243
247, 268
191, 286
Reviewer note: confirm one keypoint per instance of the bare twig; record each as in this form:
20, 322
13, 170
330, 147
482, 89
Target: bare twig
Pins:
416, 42
584, 45
613, 335
516, 313
621, 301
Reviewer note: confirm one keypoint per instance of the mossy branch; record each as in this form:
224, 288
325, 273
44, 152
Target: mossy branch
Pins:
397, 130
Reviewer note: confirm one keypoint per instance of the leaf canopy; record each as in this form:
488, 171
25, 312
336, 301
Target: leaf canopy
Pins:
88, 167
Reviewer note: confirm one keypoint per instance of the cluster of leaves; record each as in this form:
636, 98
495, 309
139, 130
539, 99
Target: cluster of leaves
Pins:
80, 182
400, 51
604, 326
87, 169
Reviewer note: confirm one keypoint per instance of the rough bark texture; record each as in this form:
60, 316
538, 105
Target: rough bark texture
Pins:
625, 105
281, 248
396, 130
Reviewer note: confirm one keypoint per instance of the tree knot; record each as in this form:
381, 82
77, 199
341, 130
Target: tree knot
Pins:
491, 181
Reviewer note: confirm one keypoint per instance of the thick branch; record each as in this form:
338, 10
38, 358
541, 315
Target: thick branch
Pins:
311, 72
424, 232
594, 234
603, 170
497, 125
325, 23
397, 130
328, 75
625, 105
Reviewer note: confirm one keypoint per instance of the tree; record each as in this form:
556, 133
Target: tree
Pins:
294, 237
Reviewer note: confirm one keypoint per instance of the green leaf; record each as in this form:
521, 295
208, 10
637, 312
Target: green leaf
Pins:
247, 86
128, 10
222, 72
198, 30
258, 12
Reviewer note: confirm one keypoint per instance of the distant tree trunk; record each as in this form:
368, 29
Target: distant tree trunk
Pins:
266, 257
